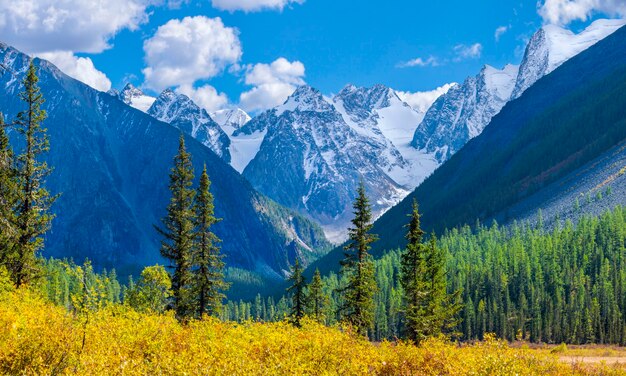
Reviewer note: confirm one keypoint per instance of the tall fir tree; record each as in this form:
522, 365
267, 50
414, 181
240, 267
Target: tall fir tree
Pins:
358, 266
8, 195
178, 231
32, 216
428, 309
298, 297
208, 267
413, 280
317, 299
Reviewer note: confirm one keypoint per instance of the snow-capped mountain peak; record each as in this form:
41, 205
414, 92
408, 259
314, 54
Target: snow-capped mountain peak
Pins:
134, 97
230, 119
552, 45
170, 106
500, 81
315, 149
304, 98
464, 111
183, 113
359, 102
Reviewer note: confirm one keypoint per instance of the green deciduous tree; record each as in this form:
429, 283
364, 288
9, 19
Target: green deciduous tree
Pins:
151, 292
208, 276
178, 231
358, 267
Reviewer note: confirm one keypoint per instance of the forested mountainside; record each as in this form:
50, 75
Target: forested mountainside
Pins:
524, 282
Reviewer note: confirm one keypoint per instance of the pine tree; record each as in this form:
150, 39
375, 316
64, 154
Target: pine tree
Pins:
208, 275
298, 297
358, 267
32, 214
8, 195
413, 279
178, 231
317, 299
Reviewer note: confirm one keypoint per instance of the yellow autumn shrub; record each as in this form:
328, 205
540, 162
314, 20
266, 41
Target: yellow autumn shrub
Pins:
38, 338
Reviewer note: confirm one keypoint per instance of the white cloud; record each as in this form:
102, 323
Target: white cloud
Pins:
431, 61
185, 51
36, 26
205, 96
422, 100
80, 68
273, 83
280, 70
500, 32
253, 5
468, 52
562, 12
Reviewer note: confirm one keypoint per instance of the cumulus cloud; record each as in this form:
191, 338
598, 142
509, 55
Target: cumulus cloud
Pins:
205, 96
273, 83
36, 26
184, 51
562, 12
80, 68
500, 32
422, 100
464, 52
253, 5
431, 61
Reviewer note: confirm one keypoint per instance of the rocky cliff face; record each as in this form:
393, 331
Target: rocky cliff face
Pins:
464, 111
181, 112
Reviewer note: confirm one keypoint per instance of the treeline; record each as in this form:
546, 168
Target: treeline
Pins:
519, 282
407, 297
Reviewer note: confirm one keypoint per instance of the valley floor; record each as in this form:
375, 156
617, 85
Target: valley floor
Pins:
578, 355
39, 338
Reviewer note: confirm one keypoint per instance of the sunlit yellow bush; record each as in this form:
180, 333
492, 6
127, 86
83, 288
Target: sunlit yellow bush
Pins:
39, 338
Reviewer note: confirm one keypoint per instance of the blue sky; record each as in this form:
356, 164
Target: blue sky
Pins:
325, 43
339, 41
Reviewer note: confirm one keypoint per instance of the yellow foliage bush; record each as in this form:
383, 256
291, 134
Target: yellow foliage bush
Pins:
39, 338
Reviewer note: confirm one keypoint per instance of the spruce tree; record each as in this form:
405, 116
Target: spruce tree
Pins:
428, 309
358, 266
298, 297
178, 231
413, 280
316, 299
208, 275
32, 215
8, 195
